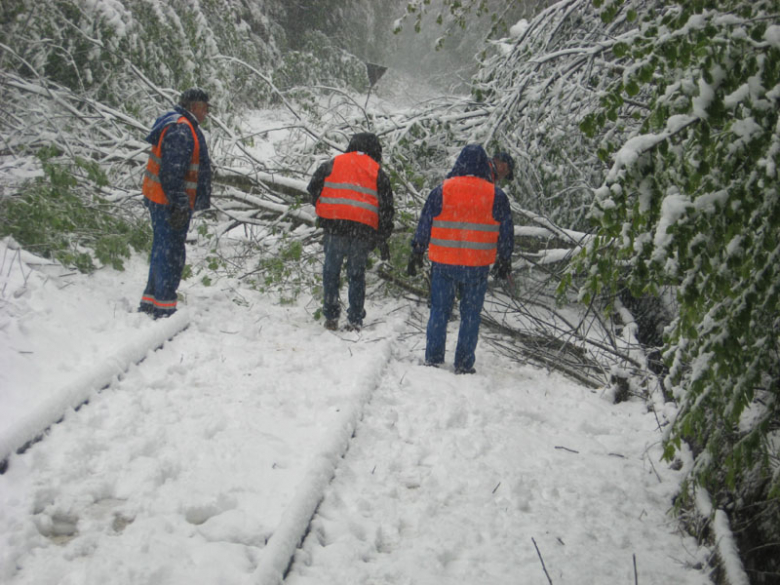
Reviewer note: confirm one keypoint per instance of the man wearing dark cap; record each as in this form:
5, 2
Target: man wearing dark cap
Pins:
502, 166
354, 203
177, 181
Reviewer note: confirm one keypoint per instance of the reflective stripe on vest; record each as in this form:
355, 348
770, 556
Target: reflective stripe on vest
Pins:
350, 191
152, 188
465, 233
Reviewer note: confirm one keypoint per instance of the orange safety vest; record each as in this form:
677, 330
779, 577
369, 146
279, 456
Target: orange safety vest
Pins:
465, 233
152, 187
350, 191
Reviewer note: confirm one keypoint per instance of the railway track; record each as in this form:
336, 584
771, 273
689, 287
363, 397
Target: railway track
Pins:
220, 431
257, 448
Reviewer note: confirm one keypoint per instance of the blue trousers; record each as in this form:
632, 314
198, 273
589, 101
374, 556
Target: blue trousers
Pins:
355, 251
470, 282
166, 263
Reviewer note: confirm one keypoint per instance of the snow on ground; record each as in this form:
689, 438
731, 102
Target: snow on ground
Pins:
204, 462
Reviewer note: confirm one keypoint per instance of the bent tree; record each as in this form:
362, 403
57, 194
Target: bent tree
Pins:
692, 201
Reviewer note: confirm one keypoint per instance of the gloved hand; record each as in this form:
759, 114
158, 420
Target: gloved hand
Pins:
384, 251
502, 268
415, 263
179, 217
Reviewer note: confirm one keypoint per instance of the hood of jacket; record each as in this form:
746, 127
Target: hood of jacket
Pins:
166, 119
366, 142
472, 161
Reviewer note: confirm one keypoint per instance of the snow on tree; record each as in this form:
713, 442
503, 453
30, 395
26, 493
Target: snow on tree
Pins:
543, 85
691, 201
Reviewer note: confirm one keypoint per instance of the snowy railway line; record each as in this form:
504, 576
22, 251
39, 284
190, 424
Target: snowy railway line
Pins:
32, 427
279, 543
211, 459
86, 399
295, 519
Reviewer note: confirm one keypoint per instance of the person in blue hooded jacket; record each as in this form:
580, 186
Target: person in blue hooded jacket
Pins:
466, 226
177, 181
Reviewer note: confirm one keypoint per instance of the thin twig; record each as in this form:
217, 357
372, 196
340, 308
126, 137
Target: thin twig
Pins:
566, 449
542, 561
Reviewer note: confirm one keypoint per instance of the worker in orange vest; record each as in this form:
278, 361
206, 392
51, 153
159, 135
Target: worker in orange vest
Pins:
466, 226
177, 181
353, 199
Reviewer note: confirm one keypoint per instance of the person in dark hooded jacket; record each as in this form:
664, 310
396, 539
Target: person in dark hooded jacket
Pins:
502, 166
466, 225
354, 202
177, 181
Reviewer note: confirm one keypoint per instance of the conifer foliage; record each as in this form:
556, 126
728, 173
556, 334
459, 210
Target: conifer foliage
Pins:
692, 201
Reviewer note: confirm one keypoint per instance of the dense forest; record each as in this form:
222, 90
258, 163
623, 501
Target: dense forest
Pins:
646, 139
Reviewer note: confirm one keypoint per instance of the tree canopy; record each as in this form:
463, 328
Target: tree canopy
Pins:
691, 202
